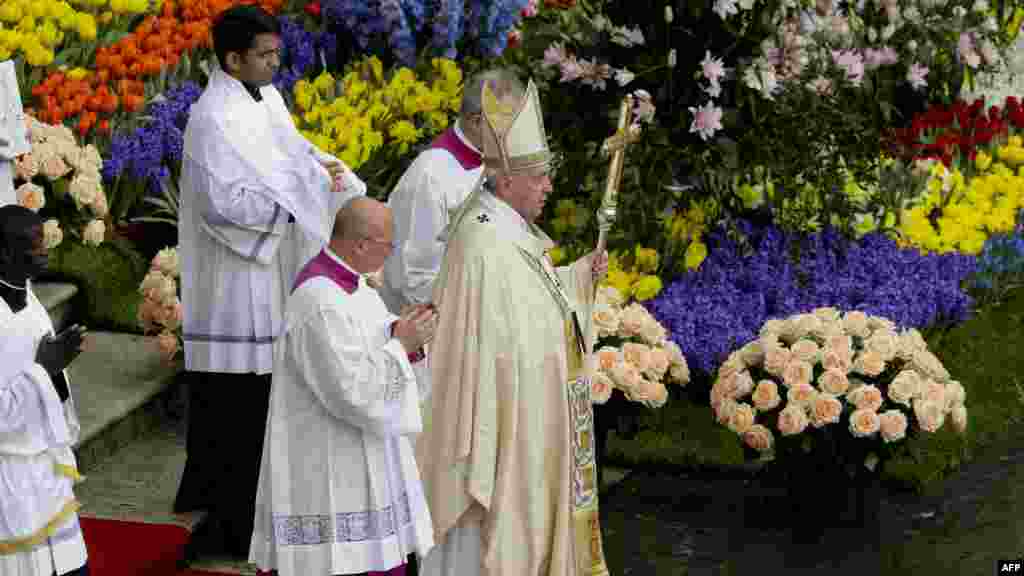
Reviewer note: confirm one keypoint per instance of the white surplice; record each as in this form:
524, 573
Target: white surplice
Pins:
339, 491
246, 171
435, 184
13, 136
39, 531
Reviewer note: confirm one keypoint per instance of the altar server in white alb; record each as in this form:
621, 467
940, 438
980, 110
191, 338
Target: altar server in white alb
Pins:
13, 134
257, 200
339, 491
39, 531
436, 183
507, 458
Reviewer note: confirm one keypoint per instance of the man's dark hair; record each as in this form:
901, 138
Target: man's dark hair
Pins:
16, 224
235, 29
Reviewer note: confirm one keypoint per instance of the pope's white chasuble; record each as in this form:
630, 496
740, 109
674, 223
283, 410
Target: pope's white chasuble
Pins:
39, 531
510, 438
339, 492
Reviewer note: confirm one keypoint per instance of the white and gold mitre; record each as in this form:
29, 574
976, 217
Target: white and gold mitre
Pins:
514, 139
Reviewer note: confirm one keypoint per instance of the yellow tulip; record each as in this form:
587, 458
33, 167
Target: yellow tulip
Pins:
696, 252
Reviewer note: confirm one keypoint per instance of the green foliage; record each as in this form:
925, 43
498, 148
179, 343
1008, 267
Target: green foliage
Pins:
108, 278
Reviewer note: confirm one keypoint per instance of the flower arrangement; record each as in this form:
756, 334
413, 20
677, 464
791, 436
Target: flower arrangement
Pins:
369, 115
957, 214
160, 311
633, 353
750, 275
61, 178
837, 376
35, 29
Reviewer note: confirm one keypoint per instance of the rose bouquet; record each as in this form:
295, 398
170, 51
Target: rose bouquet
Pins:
633, 353
848, 381
61, 179
160, 311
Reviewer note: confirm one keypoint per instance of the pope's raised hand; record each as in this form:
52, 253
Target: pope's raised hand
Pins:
415, 327
599, 265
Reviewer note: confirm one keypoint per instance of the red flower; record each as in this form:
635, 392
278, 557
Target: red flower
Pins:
313, 9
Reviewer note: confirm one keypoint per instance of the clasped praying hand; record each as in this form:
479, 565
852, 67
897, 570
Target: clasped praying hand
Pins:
599, 265
415, 327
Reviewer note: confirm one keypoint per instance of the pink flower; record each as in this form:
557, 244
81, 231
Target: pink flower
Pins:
571, 69
554, 55
706, 120
31, 196
888, 56
530, 10
916, 74
968, 54
168, 344
821, 85
852, 63
714, 70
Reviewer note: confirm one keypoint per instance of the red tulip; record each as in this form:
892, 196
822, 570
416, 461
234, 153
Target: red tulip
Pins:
313, 9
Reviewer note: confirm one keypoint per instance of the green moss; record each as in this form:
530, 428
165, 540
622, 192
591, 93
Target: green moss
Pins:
108, 278
985, 353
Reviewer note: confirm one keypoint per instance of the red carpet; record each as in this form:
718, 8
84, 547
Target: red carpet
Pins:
119, 548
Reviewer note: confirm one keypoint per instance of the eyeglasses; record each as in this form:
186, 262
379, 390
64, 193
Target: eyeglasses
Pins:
394, 243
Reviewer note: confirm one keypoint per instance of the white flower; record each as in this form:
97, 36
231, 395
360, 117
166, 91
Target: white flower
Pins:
167, 262
706, 120
624, 76
725, 8
916, 76
52, 234
94, 232
83, 189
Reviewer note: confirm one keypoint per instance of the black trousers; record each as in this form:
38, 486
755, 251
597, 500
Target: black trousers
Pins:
227, 417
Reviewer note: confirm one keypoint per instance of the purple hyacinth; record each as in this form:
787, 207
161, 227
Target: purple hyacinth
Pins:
448, 27
498, 18
719, 307
299, 54
401, 36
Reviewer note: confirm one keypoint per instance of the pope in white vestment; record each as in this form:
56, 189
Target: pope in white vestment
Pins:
339, 492
13, 135
39, 530
508, 459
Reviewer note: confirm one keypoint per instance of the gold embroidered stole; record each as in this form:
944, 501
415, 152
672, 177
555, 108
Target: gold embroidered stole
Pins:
586, 522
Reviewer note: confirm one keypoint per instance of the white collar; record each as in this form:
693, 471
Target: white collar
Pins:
457, 128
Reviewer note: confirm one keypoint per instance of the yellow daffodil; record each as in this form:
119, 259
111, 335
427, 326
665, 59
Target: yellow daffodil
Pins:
647, 287
646, 259
982, 161
696, 252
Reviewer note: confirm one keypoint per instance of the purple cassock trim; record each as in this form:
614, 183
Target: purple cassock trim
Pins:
466, 156
324, 265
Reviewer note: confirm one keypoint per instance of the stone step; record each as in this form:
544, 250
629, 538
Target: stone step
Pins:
57, 298
122, 390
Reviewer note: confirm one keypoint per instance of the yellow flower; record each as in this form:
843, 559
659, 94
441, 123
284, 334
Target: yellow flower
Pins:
10, 12
620, 280
646, 259
982, 161
647, 287
86, 26
324, 84
404, 132
696, 252
78, 73
557, 255
136, 6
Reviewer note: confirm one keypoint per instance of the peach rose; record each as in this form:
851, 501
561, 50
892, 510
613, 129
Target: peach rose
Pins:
52, 234
825, 409
834, 382
724, 410
625, 376
600, 388
733, 365
893, 425
632, 319
955, 394
31, 196
806, 350
958, 416
752, 353
637, 354
838, 360
776, 358
934, 392
930, 416
885, 343
792, 420
84, 189
168, 262
147, 313
742, 418
869, 363
659, 363
610, 296
855, 323
744, 384
866, 397
766, 396
759, 438
725, 386
650, 392
94, 232
168, 345
54, 168
803, 325
840, 343
608, 357
929, 364
881, 323
172, 315
606, 320
905, 387
911, 340
797, 372
864, 423
158, 287
680, 374
827, 314
26, 167
801, 395
675, 353
773, 327
652, 331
